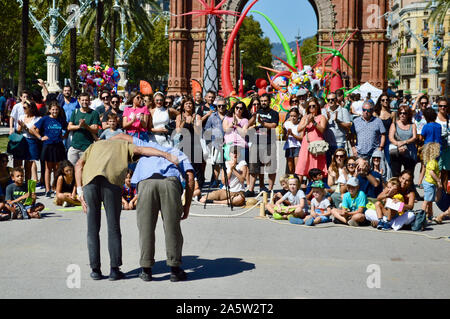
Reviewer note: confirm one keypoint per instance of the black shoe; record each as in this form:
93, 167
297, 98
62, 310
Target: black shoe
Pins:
116, 274
96, 274
146, 274
177, 274
249, 193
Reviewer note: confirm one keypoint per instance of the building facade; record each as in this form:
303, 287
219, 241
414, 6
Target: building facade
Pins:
417, 52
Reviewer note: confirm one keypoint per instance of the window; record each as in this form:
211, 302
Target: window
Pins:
408, 65
425, 84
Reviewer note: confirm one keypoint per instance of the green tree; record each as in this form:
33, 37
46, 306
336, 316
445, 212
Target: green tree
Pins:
257, 50
308, 47
150, 60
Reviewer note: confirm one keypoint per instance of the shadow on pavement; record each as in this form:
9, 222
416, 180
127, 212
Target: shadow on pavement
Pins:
199, 268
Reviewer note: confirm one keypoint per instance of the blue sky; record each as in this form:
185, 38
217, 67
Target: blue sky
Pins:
292, 17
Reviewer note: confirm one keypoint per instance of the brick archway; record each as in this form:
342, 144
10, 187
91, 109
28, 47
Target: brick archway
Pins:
366, 51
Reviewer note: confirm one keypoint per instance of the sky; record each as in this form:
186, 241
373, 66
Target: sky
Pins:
292, 17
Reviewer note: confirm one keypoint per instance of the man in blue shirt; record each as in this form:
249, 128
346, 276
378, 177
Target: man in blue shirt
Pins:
369, 131
159, 187
67, 102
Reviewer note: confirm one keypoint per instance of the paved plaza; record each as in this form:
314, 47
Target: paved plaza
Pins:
242, 256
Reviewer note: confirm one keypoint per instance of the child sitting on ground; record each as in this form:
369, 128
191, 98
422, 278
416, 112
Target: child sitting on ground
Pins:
320, 206
385, 214
295, 204
129, 196
20, 201
284, 186
353, 205
66, 190
112, 130
316, 174
432, 180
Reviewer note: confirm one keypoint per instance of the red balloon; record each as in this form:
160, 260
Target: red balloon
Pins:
261, 91
261, 83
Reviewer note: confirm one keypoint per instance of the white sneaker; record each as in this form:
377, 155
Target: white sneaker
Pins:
65, 204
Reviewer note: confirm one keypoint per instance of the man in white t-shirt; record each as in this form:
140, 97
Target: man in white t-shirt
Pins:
236, 173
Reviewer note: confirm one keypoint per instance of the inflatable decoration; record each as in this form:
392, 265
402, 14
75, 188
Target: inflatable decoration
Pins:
210, 71
96, 78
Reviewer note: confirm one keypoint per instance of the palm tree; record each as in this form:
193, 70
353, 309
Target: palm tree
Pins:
136, 18
23, 46
438, 15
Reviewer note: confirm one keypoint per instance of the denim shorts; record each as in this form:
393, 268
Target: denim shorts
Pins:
429, 191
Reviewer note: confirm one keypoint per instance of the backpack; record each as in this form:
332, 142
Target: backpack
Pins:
420, 222
17, 145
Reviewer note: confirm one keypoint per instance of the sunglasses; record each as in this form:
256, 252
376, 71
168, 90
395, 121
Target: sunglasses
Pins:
256, 104
105, 98
402, 113
239, 108
384, 100
294, 101
313, 105
115, 102
424, 103
331, 100
221, 105
367, 110
441, 105
340, 155
168, 102
351, 164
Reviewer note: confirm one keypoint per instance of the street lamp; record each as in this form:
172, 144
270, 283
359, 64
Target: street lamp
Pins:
53, 40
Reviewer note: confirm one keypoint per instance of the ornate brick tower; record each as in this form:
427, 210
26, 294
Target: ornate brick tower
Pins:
366, 51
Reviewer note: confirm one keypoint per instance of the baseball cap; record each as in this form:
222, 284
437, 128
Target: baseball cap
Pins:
353, 181
317, 184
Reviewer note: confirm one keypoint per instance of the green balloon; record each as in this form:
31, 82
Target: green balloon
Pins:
287, 49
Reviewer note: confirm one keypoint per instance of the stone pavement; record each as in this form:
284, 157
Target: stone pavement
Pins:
227, 257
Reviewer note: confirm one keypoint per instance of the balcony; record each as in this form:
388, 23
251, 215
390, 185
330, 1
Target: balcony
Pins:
407, 65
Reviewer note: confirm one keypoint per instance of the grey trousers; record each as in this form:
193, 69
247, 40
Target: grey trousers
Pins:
97, 191
160, 195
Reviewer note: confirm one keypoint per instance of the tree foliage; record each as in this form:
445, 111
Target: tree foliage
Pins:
257, 50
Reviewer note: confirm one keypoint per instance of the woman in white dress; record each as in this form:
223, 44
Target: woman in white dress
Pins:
161, 118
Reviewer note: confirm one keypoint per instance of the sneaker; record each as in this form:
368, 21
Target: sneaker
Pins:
146, 274
48, 194
353, 223
65, 204
264, 189
116, 274
277, 216
96, 274
177, 274
386, 226
380, 224
310, 222
249, 193
214, 184
295, 220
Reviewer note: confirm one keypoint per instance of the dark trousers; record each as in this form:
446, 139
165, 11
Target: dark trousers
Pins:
399, 160
97, 191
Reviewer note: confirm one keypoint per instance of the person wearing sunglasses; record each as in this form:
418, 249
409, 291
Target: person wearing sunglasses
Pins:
312, 125
402, 136
114, 109
368, 132
105, 97
420, 105
339, 122
136, 117
213, 135
443, 120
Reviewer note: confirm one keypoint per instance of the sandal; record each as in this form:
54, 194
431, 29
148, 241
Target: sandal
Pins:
437, 220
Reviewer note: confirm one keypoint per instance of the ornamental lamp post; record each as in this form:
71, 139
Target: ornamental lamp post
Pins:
53, 40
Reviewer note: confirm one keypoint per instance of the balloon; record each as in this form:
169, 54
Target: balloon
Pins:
145, 87
287, 49
261, 91
261, 83
227, 85
196, 87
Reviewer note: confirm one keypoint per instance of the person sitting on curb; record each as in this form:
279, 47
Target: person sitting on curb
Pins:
320, 206
353, 205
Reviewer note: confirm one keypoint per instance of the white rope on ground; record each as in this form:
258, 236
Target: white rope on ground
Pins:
328, 225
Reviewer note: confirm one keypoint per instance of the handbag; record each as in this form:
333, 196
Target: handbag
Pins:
317, 148
17, 145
